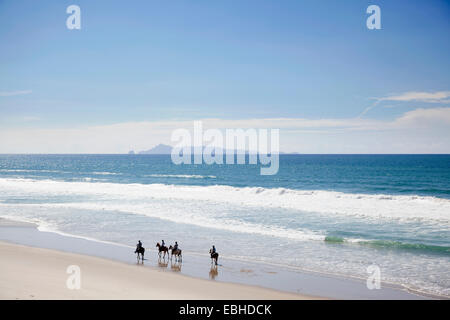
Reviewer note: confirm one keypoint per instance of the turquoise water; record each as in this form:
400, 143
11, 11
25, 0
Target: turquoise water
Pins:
328, 213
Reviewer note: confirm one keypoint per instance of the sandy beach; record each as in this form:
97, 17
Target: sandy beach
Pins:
34, 266
35, 273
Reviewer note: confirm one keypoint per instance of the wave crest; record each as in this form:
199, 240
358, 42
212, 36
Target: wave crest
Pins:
317, 201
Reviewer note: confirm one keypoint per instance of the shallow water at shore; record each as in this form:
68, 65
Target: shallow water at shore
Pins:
199, 266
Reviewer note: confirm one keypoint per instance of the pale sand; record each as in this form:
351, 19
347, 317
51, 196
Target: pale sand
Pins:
35, 273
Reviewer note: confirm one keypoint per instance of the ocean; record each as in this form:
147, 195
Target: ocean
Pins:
333, 214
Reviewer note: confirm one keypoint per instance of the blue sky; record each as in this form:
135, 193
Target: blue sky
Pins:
169, 61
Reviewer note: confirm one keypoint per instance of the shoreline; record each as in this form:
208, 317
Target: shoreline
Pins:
265, 277
46, 275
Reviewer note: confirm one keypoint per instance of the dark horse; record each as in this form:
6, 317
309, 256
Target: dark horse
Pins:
140, 251
162, 249
214, 256
176, 252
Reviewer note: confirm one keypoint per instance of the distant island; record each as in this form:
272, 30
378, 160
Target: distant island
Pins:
166, 149
159, 149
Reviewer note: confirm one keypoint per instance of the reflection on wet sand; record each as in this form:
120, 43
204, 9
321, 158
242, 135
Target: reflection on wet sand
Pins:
175, 266
163, 263
214, 272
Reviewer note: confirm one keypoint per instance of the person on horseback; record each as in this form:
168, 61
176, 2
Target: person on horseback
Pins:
162, 243
214, 255
175, 246
138, 246
140, 250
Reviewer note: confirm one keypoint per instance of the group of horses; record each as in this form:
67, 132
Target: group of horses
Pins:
173, 252
163, 250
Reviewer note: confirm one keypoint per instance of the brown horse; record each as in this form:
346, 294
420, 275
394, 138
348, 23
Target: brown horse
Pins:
214, 256
162, 249
176, 252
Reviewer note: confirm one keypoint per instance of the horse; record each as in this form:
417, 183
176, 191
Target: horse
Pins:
214, 256
140, 251
176, 252
162, 249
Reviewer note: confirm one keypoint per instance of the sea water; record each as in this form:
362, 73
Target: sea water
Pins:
336, 214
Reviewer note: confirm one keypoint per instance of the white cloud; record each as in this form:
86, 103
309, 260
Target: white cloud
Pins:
424, 117
14, 93
429, 97
19, 119
416, 131
411, 96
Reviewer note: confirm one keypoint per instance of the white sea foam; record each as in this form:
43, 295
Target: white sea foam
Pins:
187, 176
31, 170
44, 226
214, 207
324, 202
105, 173
173, 215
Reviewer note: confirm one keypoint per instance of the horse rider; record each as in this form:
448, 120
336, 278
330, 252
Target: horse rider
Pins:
175, 246
138, 246
162, 243
213, 250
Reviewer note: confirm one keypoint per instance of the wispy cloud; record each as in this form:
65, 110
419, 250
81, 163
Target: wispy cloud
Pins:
373, 105
14, 93
429, 97
422, 130
30, 118
411, 96
19, 119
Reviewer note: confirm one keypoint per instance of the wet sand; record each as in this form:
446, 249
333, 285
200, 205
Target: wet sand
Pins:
35, 273
100, 257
